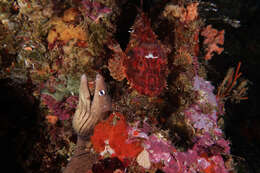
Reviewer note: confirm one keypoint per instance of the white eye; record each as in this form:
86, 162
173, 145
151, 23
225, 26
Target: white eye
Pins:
101, 92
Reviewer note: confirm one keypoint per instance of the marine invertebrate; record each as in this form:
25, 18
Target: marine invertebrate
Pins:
52, 119
70, 15
191, 161
89, 112
63, 109
95, 10
185, 15
213, 164
111, 137
159, 149
115, 63
205, 91
231, 87
146, 62
213, 40
201, 156
202, 114
186, 29
145, 59
62, 30
199, 120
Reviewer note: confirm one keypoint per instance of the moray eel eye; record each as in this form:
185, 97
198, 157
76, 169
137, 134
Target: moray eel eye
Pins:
101, 92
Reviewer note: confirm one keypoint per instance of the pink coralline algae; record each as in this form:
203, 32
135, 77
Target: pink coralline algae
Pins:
183, 162
95, 10
209, 144
200, 120
159, 149
205, 156
191, 162
63, 109
195, 115
212, 146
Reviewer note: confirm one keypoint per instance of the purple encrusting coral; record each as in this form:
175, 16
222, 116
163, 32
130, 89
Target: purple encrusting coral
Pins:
205, 90
193, 160
63, 109
95, 10
200, 120
206, 143
195, 115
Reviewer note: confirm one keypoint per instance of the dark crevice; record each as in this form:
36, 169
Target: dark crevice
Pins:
125, 22
19, 125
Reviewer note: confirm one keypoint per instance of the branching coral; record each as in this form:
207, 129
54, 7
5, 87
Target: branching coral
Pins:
213, 39
231, 87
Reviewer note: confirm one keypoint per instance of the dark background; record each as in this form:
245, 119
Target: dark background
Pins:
241, 44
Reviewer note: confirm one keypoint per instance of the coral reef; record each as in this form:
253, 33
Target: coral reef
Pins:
71, 57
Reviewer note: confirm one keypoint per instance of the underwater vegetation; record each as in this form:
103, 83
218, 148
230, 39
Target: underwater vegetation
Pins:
164, 115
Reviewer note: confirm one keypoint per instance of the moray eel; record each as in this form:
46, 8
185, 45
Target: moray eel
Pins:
90, 112
87, 115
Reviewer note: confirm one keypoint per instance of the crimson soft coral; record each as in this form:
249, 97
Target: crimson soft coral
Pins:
113, 132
